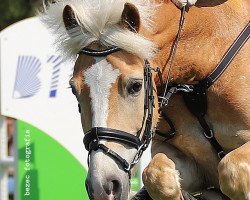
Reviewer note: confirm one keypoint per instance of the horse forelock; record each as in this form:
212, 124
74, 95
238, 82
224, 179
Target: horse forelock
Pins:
98, 21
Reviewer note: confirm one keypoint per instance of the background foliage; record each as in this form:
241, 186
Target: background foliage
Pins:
12, 11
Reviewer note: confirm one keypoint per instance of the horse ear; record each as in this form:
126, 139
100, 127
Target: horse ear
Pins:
131, 17
69, 18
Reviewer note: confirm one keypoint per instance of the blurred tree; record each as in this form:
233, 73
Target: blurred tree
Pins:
12, 11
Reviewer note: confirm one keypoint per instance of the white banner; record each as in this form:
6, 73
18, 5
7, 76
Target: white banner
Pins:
35, 89
34, 85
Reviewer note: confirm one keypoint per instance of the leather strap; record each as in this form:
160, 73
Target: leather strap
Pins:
169, 135
227, 58
196, 102
99, 53
115, 156
99, 133
209, 134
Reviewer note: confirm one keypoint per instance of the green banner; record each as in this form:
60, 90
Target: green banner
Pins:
46, 170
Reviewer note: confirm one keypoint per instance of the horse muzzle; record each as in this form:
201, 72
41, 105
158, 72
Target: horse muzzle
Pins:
108, 183
108, 169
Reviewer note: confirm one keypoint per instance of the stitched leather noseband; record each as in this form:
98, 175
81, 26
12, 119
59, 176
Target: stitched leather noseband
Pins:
95, 135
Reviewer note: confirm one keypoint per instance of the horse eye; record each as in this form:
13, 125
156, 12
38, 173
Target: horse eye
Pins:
135, 87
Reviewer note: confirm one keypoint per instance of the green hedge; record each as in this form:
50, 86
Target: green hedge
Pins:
12, 11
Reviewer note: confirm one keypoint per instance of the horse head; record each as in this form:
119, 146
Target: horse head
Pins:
109, 84
114, 84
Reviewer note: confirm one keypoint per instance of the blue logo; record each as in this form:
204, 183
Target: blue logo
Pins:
56, 61
27, 83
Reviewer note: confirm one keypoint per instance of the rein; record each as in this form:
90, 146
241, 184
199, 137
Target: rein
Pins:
172, 55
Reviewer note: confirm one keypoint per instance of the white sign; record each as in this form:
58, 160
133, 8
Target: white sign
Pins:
35, 88
34, 85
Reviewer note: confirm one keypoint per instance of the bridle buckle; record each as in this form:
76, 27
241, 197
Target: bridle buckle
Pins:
94, 145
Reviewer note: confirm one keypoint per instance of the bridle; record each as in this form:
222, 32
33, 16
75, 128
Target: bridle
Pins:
93, 137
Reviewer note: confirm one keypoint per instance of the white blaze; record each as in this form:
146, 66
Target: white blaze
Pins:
99, 77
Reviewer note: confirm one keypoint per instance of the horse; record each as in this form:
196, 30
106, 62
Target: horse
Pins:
127, 53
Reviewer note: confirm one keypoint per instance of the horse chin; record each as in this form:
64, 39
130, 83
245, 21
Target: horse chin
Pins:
101, 194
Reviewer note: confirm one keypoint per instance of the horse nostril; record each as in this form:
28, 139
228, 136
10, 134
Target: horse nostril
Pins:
116, 186
112, 187
108, 187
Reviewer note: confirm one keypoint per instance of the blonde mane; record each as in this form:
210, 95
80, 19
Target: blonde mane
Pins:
98, 20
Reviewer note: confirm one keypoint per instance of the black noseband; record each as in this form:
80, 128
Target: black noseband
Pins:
92, 137
92, 143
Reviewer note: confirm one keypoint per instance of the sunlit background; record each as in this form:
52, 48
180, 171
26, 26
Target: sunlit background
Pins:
12, 11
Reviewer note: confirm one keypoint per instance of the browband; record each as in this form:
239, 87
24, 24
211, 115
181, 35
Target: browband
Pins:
99, 53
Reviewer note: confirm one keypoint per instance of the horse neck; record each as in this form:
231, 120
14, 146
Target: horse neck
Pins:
207, 34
